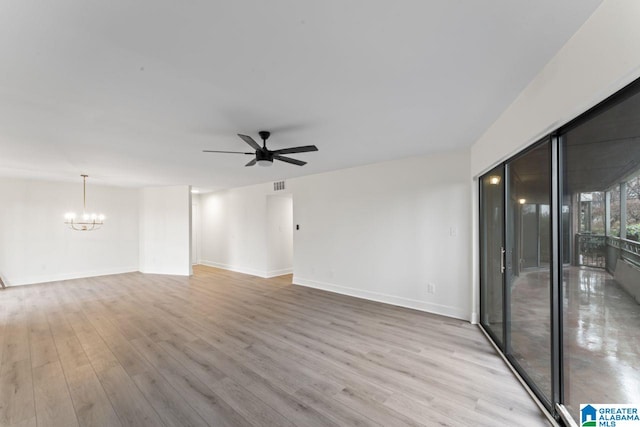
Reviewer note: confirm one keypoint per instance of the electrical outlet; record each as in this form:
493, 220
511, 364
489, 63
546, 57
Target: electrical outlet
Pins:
431, 288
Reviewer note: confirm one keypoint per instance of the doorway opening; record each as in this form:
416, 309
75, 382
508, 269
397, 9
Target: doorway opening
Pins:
279, 234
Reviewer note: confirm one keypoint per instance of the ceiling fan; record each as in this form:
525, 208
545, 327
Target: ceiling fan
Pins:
264, 156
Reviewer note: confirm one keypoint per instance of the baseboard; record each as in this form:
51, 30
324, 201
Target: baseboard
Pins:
429, 307
32, 280
236, 269
281, 272
167, 272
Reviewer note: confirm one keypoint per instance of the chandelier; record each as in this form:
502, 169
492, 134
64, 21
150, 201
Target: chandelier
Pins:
87, 221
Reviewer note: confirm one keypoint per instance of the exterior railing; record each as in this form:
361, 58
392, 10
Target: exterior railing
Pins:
629, 249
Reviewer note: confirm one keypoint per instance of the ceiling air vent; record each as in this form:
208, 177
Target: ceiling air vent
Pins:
278, 186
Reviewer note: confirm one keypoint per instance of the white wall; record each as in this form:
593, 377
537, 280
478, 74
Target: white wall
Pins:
279, 235
196, 229
214, 231
386, 231
36, 246
602, 57
234, 224
165, 230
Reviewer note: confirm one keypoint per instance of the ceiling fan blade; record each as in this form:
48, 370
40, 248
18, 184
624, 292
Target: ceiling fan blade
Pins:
251, 163
250, 141
290, 160
303, 149
230, 152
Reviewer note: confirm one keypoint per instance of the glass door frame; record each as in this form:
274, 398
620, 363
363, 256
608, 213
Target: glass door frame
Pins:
555, 286
498, 341
557, 261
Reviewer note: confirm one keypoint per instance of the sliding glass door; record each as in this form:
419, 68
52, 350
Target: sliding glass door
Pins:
601, 282
560, 259
515, 261
528, 233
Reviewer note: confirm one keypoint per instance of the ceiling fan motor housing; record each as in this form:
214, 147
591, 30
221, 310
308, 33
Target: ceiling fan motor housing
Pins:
264, 155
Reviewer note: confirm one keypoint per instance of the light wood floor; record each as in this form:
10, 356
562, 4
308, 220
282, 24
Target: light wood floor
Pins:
226, 349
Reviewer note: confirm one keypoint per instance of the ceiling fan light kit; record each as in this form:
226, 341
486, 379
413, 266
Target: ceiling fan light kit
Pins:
264, 156
262, 159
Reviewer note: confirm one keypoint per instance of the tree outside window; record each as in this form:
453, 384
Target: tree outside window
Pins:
633, 209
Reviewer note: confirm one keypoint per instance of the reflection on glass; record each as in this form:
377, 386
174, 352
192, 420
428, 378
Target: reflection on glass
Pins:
492, 193
528, 266
601, 314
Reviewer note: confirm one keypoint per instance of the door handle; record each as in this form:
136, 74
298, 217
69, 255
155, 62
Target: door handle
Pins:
502, 252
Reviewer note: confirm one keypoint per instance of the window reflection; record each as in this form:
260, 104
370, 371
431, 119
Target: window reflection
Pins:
529, 274
601, 316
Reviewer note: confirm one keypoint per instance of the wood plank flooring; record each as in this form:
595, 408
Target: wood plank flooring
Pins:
226, 349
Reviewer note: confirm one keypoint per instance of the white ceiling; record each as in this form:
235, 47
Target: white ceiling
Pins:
130, 92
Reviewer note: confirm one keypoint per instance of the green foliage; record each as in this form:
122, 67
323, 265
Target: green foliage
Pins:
633, 232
